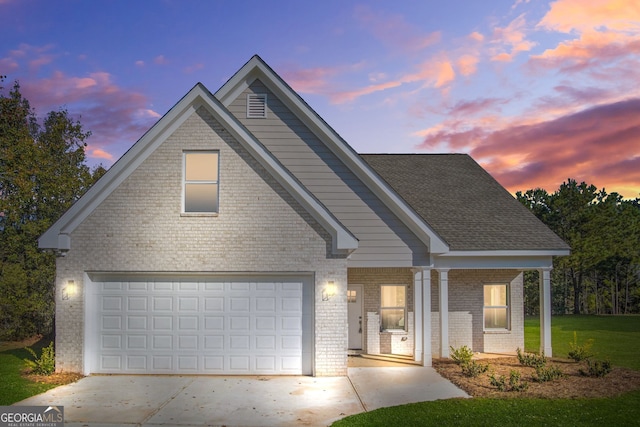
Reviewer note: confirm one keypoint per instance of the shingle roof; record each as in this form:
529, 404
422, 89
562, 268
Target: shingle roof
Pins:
469, 209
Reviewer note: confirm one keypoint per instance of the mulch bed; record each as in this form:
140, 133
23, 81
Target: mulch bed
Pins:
57, 378
572, 385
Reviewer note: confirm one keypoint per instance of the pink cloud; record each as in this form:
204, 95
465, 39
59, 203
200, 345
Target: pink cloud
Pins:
115, 116
160, 60
98, 153
568, 15
39, 62
592, 47
310, 80
8, 65
193, 68
510, 40
476, 36
38, 56
599, 145
467, 64
395, 31
435, 73
477, 106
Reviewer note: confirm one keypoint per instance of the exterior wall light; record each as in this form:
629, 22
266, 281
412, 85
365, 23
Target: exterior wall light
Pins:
69, 290
329, 291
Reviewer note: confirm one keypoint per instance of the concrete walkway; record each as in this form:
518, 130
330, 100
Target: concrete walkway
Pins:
145, 400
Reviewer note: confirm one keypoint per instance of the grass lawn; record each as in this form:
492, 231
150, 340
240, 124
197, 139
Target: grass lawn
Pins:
13, 387
617, 338
621, 411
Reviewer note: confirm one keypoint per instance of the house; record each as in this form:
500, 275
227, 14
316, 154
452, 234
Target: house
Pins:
242, 235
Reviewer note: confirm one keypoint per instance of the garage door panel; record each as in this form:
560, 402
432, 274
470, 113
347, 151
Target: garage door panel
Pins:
162, 303
112, 303
188, 323
202, 326
137, 303
265, 304
188, 342
111, 322
239, 304
112, 342
162, 286
137, 286
137, 323
291, 323
212, 304
111, 363
112, 286
215, 286
137, 342
162, 363
162, 323
188, 304
188, 286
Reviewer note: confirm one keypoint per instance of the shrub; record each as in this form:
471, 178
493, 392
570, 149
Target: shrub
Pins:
461, 355
43, 365
530, 359
500, 383
580, 352
596, 368
472, 369
550, 373
514, 382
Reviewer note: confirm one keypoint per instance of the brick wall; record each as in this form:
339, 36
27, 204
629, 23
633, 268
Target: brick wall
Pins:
372, 279
466, 311
260, 228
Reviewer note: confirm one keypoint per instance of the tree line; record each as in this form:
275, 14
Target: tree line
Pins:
602, 274
42, 173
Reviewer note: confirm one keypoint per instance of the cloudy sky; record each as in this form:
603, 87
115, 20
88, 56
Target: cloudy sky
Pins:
536, 91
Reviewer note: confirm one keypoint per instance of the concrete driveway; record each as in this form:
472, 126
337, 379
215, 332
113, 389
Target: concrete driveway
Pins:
145, 400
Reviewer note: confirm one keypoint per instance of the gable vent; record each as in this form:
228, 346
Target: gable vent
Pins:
256, 105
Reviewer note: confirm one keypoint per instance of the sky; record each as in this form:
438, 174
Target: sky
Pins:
535, 91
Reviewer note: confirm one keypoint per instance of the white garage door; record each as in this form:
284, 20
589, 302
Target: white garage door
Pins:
199, 326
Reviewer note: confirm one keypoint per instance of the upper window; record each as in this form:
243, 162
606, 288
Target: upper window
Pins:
393, 307
256, 105
200, 182
496, 307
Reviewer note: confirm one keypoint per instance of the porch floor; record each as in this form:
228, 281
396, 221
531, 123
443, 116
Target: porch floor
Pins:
362, 361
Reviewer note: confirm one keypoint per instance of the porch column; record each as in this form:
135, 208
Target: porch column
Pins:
426, 316
443, 295
417, 314
422, 314
545, 311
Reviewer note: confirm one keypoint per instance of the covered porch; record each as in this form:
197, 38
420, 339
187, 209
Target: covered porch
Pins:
415, 314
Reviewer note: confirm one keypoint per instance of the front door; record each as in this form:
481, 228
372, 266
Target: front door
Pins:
354, 303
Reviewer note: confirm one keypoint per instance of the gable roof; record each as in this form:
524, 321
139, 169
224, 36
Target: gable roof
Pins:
464, 204
257, 69
58, 236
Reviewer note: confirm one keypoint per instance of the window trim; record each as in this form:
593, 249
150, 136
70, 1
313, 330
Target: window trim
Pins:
507, 307
404, 308
183, 212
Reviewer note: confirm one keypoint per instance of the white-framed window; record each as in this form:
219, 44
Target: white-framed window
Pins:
257, 106
496, 307
200, 182
393, 307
